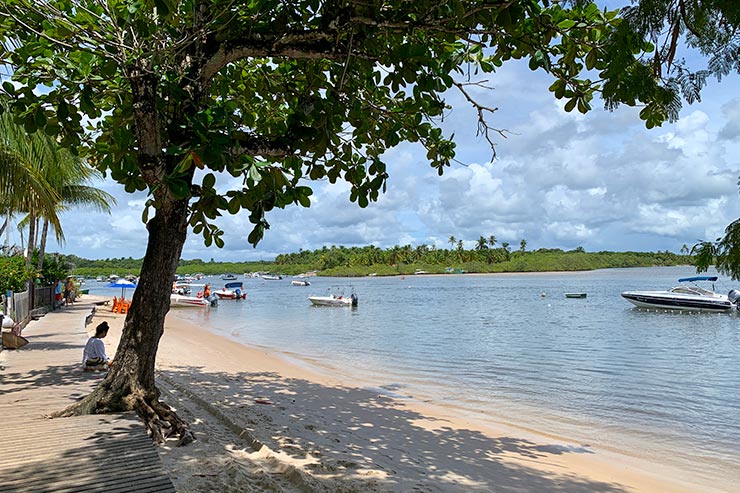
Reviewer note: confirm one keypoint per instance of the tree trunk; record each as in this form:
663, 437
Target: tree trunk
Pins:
42, 245
130, 384
31, 238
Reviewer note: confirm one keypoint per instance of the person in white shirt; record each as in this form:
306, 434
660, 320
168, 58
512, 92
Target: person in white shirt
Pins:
94, 357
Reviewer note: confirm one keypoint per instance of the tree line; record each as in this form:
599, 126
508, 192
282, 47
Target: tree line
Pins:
396, 260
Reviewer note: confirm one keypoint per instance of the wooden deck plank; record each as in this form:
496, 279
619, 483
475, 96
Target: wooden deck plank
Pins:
81, 454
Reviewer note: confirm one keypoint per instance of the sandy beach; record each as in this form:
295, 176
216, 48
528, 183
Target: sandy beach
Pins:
265, 422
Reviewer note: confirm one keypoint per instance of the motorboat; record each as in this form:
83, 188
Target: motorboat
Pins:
271, 277
228, 277
181, 288
181, 300
686, 297
232, 291
332, 300
300, 282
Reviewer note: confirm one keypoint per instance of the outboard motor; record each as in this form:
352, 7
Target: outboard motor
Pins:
354, 299
213, 299
734, 296
238, 293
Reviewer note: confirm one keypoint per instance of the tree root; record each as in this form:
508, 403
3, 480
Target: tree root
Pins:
161, 420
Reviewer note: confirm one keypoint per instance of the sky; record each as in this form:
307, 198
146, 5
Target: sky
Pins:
600, 181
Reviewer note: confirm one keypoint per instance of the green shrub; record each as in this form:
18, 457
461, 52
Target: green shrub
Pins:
14, 273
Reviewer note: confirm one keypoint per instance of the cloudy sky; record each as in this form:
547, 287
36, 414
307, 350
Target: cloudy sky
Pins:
560, 180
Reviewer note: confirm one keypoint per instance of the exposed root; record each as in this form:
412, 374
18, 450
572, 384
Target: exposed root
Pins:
160, 420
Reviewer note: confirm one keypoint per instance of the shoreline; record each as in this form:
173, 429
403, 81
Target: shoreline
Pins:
263, 422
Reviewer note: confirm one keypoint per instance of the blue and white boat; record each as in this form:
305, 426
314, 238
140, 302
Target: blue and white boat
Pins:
232, 291
686, 297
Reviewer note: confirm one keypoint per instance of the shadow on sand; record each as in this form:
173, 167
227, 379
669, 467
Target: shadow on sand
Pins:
352, 430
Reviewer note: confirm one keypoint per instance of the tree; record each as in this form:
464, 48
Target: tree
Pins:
505, 247
452, 241
522, 245
24, 187
492, 241
481, 244
41, 179
182, 94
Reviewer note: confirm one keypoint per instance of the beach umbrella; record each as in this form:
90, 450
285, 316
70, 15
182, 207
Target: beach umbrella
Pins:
123, 284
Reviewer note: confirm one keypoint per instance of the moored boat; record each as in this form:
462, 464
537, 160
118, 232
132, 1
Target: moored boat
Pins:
575, 295
686, 297
181, 300
332, 300
232, 291
300, 282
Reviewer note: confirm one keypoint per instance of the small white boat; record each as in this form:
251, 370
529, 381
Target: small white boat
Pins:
181, 300
332, 300
300, 282
228, 277
271, 277
686, 297
232, 291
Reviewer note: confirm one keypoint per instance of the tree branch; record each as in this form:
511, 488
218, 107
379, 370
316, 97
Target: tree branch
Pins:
483, 127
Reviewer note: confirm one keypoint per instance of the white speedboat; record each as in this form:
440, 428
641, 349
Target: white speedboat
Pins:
332, 300
686, 297
181, 300
300, 282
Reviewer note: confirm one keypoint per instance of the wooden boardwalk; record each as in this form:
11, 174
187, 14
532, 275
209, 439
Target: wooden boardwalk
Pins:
110, 453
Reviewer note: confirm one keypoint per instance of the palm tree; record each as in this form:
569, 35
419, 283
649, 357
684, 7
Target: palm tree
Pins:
492, 241
523, 245
452, 241
481, 244
40, 179
23, 186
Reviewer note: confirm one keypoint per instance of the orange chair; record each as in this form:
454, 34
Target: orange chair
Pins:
124, 306
115, 304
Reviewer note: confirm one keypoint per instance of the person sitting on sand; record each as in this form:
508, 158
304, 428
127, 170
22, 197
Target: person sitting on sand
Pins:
94, 357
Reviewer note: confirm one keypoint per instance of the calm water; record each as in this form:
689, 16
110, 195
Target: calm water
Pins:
595, 370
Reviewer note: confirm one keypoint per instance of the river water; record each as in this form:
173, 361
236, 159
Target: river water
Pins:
511, 347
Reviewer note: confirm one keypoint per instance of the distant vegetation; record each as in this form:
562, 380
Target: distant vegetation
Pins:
362, 261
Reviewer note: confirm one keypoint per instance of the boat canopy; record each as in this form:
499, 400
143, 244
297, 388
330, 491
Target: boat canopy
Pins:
698, 278
234, 285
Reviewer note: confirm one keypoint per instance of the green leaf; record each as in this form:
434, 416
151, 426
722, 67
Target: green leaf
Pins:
234, 205
566, 24
209, 181
179, 188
